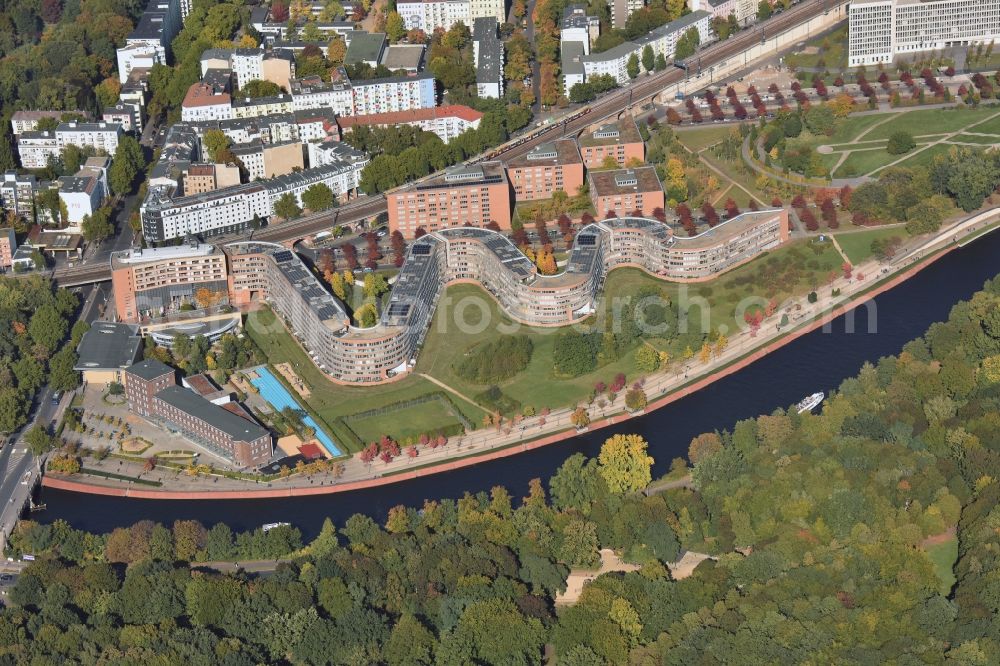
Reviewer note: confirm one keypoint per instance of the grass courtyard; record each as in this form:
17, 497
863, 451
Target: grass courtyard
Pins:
793, 269
857, 245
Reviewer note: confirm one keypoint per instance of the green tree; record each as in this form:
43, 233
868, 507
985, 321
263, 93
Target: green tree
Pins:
215, 142
624, 463
97, 227
47, 327
900, 142
287, 207
395, 28
39, 440
29, 373
318, 197
632, 66
764, 10
661, 62
12, 409
577, 484
687, 44
256, 88
410, 643
648, 58
126, 164
62, 376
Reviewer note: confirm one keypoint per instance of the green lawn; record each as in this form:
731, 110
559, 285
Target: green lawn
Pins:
407, 422
925, 157
861, 162
832, 53
857, 244
943, 557
852, 127
975, 138
697, 138
991, 126
932, 121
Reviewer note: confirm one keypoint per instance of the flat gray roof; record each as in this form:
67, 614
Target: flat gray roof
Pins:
108, 346
365, 47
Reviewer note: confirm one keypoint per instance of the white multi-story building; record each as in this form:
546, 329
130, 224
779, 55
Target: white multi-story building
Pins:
36, 147
446, 121
313, 93
101, 136
247, 65
883, 29
206, 102
429, 15
662, 40
400, 93
261, 107
137, 56
576, 26
17, 195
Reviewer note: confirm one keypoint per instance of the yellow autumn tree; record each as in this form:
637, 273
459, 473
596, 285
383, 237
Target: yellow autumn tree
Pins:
625, 464
706, 352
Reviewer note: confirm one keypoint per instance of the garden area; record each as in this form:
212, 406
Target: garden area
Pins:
864, 145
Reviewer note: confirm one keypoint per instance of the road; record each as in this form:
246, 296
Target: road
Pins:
19, 469
610, 105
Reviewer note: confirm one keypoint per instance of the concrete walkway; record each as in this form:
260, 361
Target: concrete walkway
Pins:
449, 389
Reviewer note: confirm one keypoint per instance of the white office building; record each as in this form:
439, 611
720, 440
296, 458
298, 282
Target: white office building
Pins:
883, 29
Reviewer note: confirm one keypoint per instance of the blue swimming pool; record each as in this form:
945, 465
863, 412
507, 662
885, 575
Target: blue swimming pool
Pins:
278, 396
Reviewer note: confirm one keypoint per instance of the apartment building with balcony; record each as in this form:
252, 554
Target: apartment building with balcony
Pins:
150, 282
546, 169
620, 192
476, 194
619, 140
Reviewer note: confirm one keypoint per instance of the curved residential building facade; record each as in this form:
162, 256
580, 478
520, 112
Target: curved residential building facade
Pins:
388, 350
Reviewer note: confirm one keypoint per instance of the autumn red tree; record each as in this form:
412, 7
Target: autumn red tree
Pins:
673, 117
732, 210
847, 269
845, 196
279, 11
350, 255
776, 202
420, 232
808, 219
708, 212
829, 211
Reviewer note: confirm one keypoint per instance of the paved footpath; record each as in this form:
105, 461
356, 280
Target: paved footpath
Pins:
662, 388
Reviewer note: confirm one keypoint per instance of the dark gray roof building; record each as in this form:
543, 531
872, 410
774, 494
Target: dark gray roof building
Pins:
149, 369
189, 402
108, 346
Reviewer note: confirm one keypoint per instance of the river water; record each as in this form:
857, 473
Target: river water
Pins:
814, 362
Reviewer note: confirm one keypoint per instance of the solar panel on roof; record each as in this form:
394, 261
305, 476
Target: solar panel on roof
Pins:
586, 240
282, 256
421, 250
399, 309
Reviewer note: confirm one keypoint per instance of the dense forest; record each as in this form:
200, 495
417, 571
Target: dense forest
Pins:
824, 531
